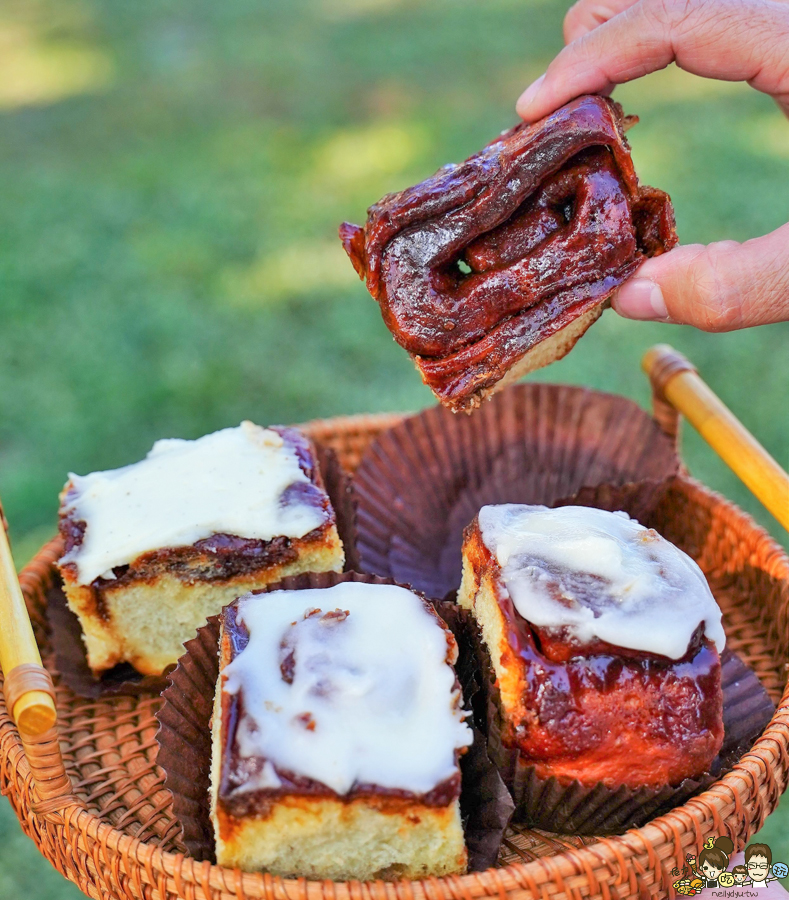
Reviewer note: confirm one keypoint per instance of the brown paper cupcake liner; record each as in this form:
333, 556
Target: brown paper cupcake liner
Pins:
71, 657
575, 808
421, 482
485, 802
339, 487
184, 739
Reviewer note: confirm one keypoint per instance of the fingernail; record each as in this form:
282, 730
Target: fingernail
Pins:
526, 98
640, 298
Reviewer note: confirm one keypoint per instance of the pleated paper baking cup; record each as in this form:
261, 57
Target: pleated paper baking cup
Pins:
70, 654
184, 739
575, 808
421, 482
340, 490
71, 658
485, 802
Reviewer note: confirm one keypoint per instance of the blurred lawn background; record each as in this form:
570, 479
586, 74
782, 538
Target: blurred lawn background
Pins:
172, 176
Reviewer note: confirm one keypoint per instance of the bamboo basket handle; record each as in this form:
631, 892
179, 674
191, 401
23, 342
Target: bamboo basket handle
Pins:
28, 689
677, 388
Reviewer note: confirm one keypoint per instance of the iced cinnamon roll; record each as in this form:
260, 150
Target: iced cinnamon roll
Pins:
154, 548
604, 639
337, 730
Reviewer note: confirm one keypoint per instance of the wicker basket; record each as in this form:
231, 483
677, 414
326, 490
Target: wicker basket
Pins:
92, 798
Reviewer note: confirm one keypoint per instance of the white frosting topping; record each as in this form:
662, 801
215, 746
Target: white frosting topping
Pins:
228, 482
600, 575
369, 698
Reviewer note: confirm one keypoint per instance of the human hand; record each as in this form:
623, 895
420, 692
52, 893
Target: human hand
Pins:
721, 286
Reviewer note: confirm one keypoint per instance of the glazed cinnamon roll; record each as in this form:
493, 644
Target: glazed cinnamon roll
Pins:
605, 641
154, 548
337, 731
496, 266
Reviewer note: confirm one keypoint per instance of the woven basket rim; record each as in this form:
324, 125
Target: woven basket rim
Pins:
659, 843
613, 850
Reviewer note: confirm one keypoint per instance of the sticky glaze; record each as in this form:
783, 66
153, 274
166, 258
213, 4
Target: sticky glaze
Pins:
346, 689
600, 576
476, 265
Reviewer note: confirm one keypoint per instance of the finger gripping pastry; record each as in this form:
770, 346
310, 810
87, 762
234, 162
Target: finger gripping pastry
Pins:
605, 643
336, 735
495, 267
154, 548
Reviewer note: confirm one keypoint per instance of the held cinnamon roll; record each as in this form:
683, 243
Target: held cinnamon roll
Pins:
496, 266
604, 639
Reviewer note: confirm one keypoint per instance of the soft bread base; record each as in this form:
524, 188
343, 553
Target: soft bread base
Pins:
146, 622
542, 354
479, 594
546, 352
325, 837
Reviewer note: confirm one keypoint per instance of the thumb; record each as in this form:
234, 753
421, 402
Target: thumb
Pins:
718, 287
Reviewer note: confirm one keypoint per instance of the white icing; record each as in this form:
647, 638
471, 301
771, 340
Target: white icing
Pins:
375, 684
644, 593
228, 482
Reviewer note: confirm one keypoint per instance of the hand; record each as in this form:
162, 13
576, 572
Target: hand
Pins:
722, 286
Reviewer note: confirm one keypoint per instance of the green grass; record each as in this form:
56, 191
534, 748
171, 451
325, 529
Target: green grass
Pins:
172, 174
24, 873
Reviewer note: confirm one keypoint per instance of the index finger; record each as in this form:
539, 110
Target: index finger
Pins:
731, 40
586, 15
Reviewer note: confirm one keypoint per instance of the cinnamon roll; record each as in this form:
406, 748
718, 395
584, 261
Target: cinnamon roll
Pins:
496, 266
337, 730
154, 548
605, 641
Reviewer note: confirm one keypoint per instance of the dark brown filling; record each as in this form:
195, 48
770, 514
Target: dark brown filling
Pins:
237, 772
560, 671
576, 229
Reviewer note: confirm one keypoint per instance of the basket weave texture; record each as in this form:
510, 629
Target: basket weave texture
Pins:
111, 830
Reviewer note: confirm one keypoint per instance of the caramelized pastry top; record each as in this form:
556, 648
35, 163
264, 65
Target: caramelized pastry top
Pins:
477, 264
622, 716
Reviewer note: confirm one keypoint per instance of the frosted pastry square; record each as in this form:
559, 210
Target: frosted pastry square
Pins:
337, 730
605, 642
154, 548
